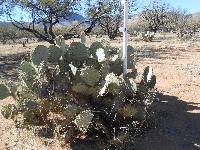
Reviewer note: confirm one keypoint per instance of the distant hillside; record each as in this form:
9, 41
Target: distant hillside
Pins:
4, 23
196, 14
72, 18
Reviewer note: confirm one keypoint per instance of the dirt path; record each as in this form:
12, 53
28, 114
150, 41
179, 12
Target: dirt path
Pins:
178, 107
177, 68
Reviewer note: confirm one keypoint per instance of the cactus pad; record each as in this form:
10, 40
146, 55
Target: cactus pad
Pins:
112, 85
81, 88
147, 75
28, 69
39, 54
78, 52
55, 54
90, 76
4, 91
101, 56
9, 111
131, 87
83, 120
60, 41
28, 73
116, 65
94, 47
83, 37
71, 110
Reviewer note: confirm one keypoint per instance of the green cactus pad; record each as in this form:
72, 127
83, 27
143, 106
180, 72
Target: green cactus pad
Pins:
60, 42
28, 73
116, 65
55, 54
13, 89
93, 62
90, 76
39, 55
151, 84
4, 91
81, 88
101, 55
131, 87
147, 74
104, 70
78, 52
71, 110
112, 85
83, 120
133, 74
93, 48
9, 111
31, 105
83, 37
28, 69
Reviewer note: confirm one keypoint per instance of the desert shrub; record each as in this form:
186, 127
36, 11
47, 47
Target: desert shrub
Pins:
73, 92
10, 33
147, 36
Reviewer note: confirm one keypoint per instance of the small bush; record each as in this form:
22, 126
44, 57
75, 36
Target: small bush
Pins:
148, 36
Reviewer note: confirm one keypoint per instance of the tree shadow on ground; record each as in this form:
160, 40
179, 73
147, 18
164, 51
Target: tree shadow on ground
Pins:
176, 127
9, 65
162, 53
157, 53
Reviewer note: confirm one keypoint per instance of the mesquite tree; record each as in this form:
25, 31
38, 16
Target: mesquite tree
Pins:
107, 15
155, 14
43, 14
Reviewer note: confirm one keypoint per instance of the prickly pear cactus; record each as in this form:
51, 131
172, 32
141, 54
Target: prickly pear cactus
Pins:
94, 47
39, 54
83, 120
112, 85
54, 54
60, 42
83, 37
148, 77
90, 76
4, 91
80, 93
78, 53
9, 111
28, 73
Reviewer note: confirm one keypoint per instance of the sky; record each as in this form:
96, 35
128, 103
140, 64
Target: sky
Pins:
192, 6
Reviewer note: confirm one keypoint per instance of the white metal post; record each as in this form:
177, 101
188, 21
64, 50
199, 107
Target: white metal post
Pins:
125, 37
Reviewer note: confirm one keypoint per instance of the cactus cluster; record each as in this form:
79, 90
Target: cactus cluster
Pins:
147, 36
80, 92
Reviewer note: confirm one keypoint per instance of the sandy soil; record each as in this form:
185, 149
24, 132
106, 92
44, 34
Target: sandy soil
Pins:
177, 107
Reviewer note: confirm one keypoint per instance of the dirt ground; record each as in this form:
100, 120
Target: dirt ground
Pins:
177, 69
176, 65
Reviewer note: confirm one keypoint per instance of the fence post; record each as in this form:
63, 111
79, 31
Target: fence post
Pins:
125, 37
